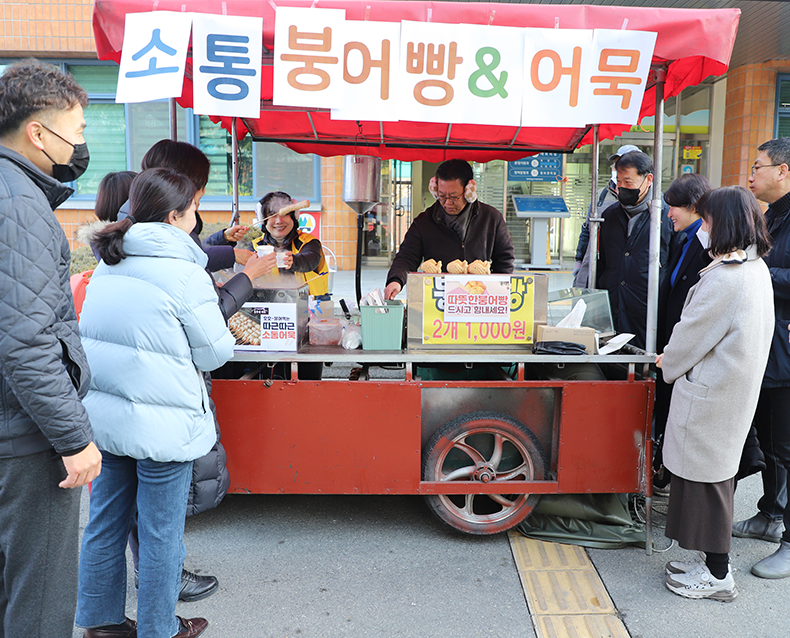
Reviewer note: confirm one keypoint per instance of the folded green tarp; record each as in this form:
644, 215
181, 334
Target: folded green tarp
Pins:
600, 521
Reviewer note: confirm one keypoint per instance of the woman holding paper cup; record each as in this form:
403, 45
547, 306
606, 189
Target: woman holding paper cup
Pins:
286, 248
715, 360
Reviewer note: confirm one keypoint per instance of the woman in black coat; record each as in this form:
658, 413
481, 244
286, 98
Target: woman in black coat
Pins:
687, 254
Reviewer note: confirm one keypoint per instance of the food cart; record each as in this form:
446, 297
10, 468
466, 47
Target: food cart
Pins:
481, 452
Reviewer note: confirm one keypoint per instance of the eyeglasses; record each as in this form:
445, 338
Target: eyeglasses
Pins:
757, 167
449, 198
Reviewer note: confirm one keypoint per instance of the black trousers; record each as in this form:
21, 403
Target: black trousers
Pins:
39, 545
772, 420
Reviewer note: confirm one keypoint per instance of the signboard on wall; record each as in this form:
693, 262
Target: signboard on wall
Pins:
543, 167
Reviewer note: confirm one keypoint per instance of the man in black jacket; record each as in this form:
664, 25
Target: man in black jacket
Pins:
46, 442
770, 182
457, 226
623, 245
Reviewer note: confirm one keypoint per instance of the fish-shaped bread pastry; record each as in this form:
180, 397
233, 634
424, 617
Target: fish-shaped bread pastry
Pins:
457, 267
478, 267
475, 287
431, 266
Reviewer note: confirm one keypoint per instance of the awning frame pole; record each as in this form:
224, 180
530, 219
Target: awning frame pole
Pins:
173, 119
655, 217
595, 219
234, 141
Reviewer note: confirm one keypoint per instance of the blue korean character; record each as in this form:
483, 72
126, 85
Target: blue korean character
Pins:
219, 48
155, 43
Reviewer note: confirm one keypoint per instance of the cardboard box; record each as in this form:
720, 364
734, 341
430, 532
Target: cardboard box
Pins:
584, 336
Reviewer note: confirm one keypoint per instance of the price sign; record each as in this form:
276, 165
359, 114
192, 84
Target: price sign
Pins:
436, 329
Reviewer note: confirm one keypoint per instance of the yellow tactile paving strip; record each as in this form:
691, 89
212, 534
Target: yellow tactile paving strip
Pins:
565, 595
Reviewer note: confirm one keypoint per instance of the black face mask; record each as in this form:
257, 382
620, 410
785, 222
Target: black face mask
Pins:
629, 196
77, 165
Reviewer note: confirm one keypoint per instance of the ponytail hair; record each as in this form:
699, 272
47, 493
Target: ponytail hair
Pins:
154, 194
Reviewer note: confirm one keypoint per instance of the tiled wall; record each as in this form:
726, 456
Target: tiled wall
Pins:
749, 117
59, 27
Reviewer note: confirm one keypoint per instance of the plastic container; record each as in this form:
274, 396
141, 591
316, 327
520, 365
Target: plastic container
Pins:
382, 326
325, 333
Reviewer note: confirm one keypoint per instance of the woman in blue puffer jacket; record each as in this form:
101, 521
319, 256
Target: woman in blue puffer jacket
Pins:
150, 324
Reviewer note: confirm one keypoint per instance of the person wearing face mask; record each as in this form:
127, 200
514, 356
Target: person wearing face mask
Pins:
46, 440
457, 226
301, 252
606, 196
624, 242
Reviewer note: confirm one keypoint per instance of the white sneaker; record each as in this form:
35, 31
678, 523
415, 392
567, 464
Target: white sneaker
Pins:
685, 566
700, 583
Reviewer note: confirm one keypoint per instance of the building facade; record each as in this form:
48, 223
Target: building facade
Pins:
713, 129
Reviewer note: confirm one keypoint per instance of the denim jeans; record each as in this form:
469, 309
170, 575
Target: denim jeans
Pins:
160, 492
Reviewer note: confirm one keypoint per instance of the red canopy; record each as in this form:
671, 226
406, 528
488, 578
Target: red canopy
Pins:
694, 43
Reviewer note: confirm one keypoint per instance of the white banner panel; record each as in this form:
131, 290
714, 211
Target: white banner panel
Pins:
621, 63
430, 77
154, 56
556, 77
308, 57
492, 74
226, 65
370, 67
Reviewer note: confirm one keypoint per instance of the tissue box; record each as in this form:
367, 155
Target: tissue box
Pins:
584, 336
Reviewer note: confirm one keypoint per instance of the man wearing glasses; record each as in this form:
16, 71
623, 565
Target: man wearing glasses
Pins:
457, 226
770, 182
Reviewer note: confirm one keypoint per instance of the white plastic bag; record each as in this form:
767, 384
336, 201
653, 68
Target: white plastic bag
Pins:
352, 336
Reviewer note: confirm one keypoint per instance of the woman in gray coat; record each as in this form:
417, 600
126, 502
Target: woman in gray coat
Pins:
715, 358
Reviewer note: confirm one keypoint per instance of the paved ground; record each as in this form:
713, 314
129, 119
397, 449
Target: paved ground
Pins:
358, 566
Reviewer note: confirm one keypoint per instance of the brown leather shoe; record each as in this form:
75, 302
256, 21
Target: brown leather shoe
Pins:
193, 627
126, 630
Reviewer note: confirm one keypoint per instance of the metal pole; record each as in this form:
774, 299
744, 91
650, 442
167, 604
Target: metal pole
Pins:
358, 269
594, 218
561, 224
173, 119
676, 149
655, 217
234, 206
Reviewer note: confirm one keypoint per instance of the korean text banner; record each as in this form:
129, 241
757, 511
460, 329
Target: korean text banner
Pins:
458, 73
226, 61
154, 56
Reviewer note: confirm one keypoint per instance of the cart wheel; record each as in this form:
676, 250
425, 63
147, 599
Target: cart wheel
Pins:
485, 447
